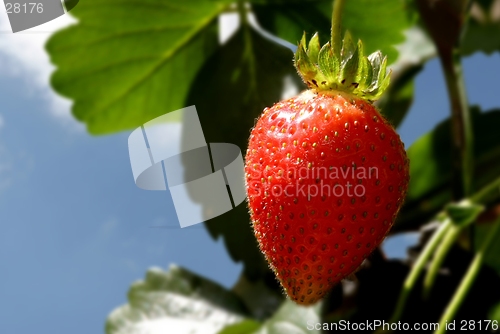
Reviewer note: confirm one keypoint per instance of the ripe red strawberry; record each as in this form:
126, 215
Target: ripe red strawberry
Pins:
326, 174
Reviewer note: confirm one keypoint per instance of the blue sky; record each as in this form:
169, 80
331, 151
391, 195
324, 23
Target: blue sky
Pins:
76, 231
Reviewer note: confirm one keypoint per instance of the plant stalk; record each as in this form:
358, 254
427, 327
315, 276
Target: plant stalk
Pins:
463, 160
484, 195
468, 279
418, 267
480, 197
249, 47
336, 40
242, 12
439, 257
462, 134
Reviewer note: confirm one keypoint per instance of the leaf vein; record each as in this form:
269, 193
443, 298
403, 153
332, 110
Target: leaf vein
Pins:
164, 60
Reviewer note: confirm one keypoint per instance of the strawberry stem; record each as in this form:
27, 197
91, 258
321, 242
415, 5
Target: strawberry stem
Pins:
487, 193
448, 46
439, 257
468, 279
341, 66
483, 197
242, 12
462, 125
248, 56
336, 39
418, 267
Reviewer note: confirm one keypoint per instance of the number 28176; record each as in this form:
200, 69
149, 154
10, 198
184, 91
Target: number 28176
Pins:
25, 8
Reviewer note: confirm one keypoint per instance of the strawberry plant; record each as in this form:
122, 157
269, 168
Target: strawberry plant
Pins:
327, 174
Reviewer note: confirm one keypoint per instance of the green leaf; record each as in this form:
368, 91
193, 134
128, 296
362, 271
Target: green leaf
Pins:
361, 17
245, 327
176, 301
246, 75
70, 4
495, 313
481, 233
259, 297
289, 319
463, 213
292, 319
128, 61
431, 169
289, 20
413, 53
313, 48
483, 28
398, 98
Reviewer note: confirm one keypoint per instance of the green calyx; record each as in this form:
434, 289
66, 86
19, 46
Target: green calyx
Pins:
348, 70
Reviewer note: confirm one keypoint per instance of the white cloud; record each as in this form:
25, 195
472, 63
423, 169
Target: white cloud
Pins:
107, 229
13, 166
5, 173
104, 233
22, 55
130, 265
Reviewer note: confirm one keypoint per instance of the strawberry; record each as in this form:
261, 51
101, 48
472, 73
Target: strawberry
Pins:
326, 174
